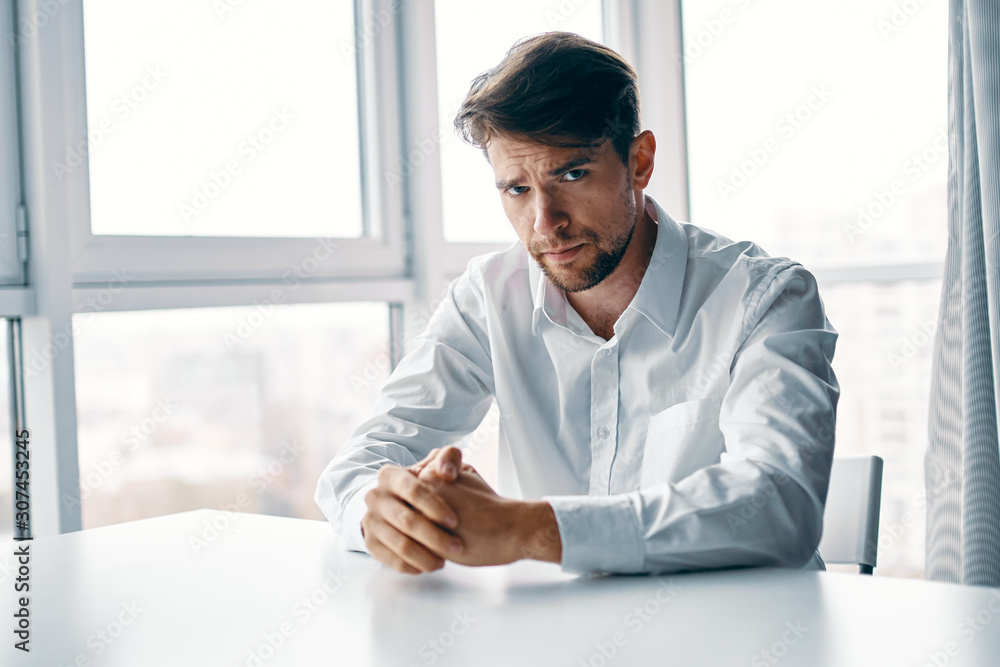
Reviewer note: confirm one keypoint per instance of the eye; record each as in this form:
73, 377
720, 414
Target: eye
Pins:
575, 174
516, 190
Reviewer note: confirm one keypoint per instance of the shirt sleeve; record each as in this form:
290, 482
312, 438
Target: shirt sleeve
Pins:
762, 503
437, 394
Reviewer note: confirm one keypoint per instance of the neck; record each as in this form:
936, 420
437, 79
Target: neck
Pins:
602, 305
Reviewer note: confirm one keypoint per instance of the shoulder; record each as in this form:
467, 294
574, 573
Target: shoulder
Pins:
716, 258
494, 272
511, 259
741, 273
712, 252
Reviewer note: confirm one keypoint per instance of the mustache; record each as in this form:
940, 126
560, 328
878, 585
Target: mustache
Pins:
537, 249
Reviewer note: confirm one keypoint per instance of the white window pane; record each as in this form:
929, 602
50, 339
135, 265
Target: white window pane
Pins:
819, 129
473, 37
211, 408
883, 363
211, 120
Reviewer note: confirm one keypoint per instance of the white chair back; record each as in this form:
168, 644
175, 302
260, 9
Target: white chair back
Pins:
850, 521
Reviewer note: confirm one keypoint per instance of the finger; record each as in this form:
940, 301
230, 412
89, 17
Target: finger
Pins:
409, 550
420, 529
418, 493
441, 464
435, 479
378, 550
447, 463
420, 465
383, 554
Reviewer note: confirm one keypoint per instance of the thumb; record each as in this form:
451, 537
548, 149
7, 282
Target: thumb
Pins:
448, 463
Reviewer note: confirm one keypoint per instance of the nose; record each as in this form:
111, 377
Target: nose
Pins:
549, 215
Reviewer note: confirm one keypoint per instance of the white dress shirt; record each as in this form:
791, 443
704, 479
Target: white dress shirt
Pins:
700, 436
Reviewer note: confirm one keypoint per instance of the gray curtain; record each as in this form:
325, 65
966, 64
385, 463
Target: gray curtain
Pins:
963, 458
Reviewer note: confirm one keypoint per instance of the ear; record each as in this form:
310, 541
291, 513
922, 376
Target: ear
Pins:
641, 159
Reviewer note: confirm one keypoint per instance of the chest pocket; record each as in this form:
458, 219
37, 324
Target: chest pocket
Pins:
680, 440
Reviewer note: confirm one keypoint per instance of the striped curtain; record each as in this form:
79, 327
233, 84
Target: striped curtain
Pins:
962, 472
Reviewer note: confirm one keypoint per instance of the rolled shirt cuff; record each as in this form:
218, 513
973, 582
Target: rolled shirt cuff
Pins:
599, 533
351, 537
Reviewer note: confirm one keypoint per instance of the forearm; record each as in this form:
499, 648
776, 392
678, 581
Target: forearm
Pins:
539, 532
732, 515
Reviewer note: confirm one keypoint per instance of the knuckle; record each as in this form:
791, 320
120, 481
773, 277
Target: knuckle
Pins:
438, 545
408, 550
407, 519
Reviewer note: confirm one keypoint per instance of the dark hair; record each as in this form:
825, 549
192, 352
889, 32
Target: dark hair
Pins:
559, 89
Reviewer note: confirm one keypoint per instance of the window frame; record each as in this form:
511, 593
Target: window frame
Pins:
95, 258
12, 220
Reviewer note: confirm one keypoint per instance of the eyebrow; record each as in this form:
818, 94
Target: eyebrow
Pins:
558, 171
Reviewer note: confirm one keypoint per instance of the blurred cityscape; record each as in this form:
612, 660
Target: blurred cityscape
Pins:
221, 408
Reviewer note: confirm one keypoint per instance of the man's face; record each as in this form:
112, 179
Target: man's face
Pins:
576, 200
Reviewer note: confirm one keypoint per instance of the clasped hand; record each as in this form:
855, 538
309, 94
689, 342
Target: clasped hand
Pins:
441, 509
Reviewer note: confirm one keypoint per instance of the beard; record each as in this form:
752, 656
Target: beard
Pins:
609, 251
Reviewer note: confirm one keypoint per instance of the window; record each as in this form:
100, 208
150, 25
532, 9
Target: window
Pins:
836, 156
768, 160
471, 38
220, 140
211, 119
156, 298
220, 407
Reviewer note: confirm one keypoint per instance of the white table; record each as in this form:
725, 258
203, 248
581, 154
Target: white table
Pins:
266, 581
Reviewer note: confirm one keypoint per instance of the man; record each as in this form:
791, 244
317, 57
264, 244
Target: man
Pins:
666, 397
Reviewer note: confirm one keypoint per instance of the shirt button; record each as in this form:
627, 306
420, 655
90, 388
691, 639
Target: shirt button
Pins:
603, 432
607, 352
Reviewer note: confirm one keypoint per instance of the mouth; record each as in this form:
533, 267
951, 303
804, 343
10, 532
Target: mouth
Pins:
564, 255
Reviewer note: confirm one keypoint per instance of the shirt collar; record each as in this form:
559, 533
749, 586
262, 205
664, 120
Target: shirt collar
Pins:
659, 295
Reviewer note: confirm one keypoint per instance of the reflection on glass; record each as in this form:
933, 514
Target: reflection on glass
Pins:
221, 119
472, 37
222, 408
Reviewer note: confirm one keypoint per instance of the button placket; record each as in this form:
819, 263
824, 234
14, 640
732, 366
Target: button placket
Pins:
603, 420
